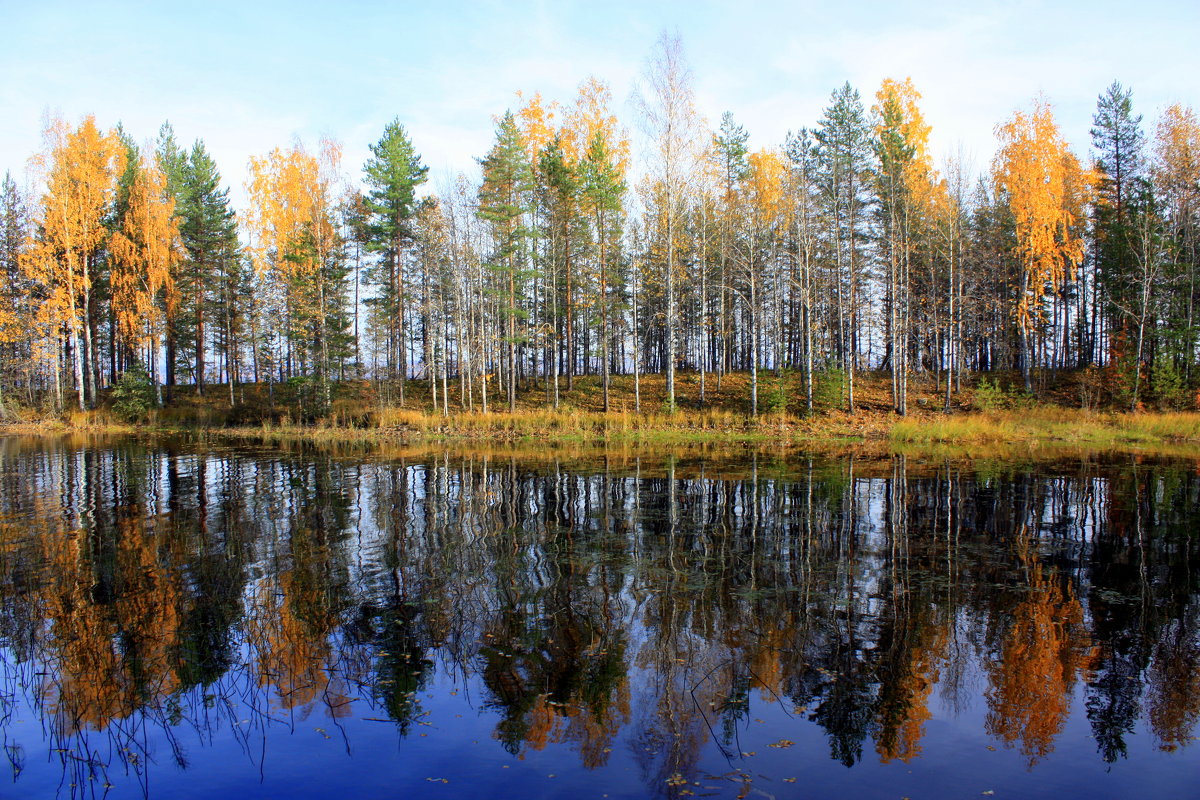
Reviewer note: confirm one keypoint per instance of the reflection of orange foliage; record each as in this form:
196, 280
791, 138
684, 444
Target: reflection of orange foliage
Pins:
1175, 688
903, 741
767, 661
1031, 683
112, 658
591, 733
294, 649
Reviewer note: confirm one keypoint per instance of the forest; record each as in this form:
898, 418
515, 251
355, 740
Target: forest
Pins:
590, 245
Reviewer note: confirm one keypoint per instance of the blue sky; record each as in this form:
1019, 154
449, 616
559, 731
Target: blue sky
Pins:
247, 76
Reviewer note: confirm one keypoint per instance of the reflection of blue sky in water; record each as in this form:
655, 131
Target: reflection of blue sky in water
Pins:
557, 626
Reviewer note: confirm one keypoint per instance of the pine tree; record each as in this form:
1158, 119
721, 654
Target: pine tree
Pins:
502, 203
393, 175
801, 151
208, 229
172, 161
843, 149
559, 189
603, 187
729, 149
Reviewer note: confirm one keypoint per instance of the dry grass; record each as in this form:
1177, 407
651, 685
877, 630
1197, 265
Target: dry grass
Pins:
360, 414
1049, 425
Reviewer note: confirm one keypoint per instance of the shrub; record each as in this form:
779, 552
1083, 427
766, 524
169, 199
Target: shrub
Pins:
1169, 385
990, 395
775, 394
133, 395
829, 387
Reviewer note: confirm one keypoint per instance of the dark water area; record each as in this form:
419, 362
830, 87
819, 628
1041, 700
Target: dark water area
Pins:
182, 621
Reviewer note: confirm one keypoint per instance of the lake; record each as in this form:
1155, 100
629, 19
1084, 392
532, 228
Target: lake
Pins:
191, 620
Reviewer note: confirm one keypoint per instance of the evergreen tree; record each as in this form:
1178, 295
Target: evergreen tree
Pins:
730, 144
502, 203
603, 188
392, 175
172, 160
16, 291
559, 200
208, 228
843, 149
730, 151
1118, 140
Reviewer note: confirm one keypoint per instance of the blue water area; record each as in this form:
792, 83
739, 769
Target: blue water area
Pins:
191, 621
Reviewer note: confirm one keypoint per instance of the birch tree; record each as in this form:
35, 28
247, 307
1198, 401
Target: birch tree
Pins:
666, 100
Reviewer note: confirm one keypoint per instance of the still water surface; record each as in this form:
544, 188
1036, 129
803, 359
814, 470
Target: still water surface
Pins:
184, 621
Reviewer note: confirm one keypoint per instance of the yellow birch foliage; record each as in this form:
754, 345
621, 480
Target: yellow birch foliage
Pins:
591, 115
290, 220
97, 681
1046, 190
1177, 158
898, 101
292, 649
904, 134
145, 253
535, 119
764, 186
80, 168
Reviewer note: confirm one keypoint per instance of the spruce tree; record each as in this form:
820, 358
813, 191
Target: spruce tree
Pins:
16, 291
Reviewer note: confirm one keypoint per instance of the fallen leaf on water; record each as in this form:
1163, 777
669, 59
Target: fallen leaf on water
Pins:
782, 743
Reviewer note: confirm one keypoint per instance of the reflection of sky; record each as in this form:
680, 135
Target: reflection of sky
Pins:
292, 757
247, 77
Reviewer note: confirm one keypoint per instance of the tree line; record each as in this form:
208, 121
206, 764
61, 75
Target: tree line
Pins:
843, 249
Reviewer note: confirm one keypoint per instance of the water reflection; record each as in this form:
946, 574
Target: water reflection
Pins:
163, 606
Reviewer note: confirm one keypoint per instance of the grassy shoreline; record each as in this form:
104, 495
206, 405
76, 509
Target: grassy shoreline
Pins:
1002, 423
1047, 430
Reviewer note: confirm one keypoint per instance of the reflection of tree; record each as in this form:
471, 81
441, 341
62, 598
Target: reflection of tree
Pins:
1043, 648
113, 656
1175, 682
289, 630
904, 699
296, 610
1141, 608
553, 655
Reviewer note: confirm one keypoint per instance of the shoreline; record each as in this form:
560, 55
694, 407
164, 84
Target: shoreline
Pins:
1041, 431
